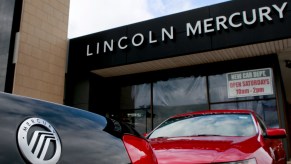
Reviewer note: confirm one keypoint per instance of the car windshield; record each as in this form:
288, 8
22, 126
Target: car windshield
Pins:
206, 125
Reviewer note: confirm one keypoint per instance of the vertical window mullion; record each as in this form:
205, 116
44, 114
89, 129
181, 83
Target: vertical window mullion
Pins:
207, 92
151, 107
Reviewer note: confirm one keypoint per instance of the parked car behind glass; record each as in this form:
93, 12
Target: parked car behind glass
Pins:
34, 131
217, 136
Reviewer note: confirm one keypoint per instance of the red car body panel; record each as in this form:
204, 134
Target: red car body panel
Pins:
216, 149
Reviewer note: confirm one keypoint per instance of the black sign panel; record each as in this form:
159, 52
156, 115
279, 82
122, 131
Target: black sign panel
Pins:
220, 26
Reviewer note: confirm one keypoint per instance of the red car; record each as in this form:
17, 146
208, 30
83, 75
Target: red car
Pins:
217, 136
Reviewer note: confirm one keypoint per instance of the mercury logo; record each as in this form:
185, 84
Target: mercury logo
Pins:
38, 141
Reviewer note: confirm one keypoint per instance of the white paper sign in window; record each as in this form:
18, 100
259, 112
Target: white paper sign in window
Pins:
250, 83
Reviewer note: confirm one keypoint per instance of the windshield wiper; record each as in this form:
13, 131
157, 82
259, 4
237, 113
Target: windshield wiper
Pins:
208, 135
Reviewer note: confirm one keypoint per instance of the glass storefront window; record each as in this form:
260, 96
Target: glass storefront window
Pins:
135, 106
187, 94
179, 95
135, 97
218, 90
267, 109
265, 105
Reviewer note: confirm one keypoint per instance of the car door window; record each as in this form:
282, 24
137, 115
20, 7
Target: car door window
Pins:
262, 125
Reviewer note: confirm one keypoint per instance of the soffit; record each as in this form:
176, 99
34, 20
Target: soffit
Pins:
266, 48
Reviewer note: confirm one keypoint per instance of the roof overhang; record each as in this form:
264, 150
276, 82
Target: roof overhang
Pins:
280, 47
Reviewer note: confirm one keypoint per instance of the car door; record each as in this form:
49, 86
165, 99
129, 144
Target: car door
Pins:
273, 146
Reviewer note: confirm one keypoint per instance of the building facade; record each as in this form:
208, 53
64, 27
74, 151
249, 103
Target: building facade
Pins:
233, 55
33, 50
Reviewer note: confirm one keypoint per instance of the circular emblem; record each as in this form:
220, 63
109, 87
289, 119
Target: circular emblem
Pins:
38, 141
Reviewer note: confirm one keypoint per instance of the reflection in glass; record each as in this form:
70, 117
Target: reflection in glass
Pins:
135, 106
179, 95
207, 125
187, 94
3, 69
135, 97
218, 90
136, 118
265, 106
267, 109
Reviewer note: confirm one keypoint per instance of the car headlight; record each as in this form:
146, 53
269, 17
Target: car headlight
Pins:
248, 161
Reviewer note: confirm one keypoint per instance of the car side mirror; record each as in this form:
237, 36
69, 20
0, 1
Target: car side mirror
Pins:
276, 133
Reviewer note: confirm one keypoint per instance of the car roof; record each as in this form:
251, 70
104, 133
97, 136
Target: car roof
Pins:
221, 111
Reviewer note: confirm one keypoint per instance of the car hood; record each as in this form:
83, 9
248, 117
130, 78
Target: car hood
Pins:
207, 149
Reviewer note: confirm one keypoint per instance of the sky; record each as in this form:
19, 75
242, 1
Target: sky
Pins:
90, 16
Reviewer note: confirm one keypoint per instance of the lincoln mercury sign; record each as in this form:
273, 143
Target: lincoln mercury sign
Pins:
249, 83
198, 27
